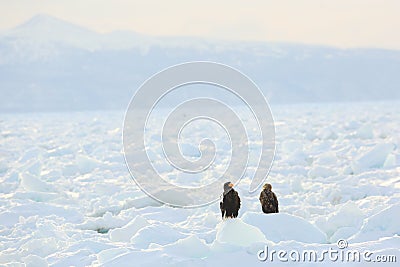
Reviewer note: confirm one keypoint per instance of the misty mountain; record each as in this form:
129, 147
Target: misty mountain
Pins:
50, 64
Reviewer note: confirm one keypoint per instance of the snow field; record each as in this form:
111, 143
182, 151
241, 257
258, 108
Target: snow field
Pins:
66, 197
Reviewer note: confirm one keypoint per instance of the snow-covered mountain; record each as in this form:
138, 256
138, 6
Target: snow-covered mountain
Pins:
50, 64
45, 29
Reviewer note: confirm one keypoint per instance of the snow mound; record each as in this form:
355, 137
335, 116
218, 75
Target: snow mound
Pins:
298, 158
32, 183
109, 254
365, 132
382, 224
125, 233
327, 134
210, 220
320, 171
142, 202
139, 258
294, 152
291, 146
375, 158
189, 247
8, 219
34, 260
238, 233
86, 164
343, 233
281, 227
327, 158
102, 224
344, 223
31, 154
34, 168
390, 161
158, 234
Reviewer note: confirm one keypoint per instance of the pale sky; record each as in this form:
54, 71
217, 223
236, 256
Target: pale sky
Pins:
343, 23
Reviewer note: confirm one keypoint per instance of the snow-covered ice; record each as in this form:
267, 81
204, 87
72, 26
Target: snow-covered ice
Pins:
66, 196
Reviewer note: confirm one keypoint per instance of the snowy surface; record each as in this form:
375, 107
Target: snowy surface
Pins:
66, 197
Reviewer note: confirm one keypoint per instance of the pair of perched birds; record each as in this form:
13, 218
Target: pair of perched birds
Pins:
230, 204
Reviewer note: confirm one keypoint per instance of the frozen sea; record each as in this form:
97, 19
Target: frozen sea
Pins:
67, 198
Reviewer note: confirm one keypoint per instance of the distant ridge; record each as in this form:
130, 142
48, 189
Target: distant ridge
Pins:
48, 63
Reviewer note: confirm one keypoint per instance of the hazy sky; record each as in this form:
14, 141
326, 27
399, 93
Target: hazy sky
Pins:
344, 23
